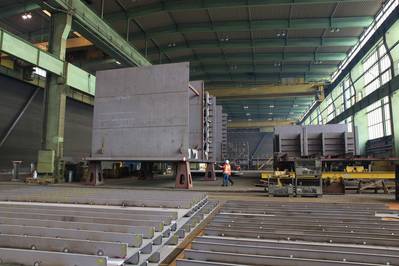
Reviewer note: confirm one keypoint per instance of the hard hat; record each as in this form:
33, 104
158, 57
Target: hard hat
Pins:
227, 161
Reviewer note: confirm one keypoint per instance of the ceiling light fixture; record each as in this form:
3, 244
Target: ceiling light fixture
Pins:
281, 34
271, 106
225, 39
245, 107
26, 16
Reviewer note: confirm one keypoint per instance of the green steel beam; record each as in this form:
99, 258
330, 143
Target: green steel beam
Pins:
94, 28
264, 43
74, 76
222, 69
263, 57
257, 25
178, 5
6, 12
267, 78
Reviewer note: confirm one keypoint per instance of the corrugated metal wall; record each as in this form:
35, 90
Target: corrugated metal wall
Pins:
24, 142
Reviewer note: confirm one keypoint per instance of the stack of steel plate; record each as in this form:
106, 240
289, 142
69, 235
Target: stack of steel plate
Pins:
61, 234
271, 233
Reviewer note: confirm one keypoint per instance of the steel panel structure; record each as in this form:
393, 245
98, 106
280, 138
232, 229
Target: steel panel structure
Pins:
196, 120
142, 113
314, 140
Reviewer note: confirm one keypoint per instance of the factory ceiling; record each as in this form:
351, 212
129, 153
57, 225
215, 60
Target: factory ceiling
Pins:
265, 60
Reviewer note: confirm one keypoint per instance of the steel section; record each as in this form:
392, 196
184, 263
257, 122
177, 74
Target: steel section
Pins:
196, 119
260, 260
101, 213
124, 198
142, 113
45, 258
273, 233
83, 219
146, 232
299, 252
114, 250
120, 212
133, 240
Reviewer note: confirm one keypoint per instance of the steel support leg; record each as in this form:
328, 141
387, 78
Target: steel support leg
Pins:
95, 175
55, 97
210, 172
183, 176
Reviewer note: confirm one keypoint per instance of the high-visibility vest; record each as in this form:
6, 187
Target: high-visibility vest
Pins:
227, 169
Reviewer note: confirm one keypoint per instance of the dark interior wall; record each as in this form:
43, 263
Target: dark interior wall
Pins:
24, 141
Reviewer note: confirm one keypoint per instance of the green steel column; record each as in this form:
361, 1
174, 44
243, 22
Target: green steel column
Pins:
55, 97
361, 123
395, 119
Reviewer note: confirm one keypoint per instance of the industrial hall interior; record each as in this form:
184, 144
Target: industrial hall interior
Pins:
199, 132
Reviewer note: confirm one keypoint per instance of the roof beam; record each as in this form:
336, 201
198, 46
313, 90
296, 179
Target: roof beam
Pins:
259, 123
94, 28
221, 69
265, 57
263, 43
180, 6
275, 78
229, 93
258, 25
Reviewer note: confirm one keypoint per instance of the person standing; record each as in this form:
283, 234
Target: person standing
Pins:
226, 173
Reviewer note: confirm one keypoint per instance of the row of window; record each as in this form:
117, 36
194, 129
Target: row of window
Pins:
377, 70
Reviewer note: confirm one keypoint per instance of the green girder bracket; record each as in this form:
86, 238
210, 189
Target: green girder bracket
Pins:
24, 50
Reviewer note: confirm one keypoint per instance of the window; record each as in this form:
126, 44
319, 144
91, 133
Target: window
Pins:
377, 69
349, 123
379, 119
349, 93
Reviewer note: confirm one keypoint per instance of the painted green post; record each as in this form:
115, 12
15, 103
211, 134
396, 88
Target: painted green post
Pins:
55, 102
360, 121
395, 119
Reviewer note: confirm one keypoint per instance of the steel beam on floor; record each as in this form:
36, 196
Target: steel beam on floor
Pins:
261, 260
315, 220
305, 226
88, 247
183, 262
100, 201
249, 227
298, 252
83, 219
133, 240
45, 258
294, 235
100, 209
94, 214
145, 231
305, 245
283, 212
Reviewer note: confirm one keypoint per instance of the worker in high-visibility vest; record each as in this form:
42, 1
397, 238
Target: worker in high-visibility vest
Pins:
226, 173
